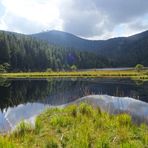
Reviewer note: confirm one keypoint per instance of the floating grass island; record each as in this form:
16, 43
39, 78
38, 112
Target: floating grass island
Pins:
78, 126
133, 74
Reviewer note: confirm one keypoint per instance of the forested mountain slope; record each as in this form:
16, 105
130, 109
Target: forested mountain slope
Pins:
24, 53
122, 51
29, 53
67, 40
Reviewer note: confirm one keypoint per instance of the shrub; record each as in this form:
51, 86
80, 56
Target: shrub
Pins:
49, 70
139, 67
73, 67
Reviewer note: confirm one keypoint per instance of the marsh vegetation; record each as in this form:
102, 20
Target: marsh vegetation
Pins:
78, 126
141, 75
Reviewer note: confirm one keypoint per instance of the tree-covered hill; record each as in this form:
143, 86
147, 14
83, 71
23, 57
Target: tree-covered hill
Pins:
20, 52
63, 51
67, 40
122, 51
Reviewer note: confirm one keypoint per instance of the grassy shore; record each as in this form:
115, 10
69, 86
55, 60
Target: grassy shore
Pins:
133, 74
78, 126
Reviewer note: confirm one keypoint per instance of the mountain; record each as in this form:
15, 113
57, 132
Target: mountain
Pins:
59, 50
66, 40
20, 52
122, 51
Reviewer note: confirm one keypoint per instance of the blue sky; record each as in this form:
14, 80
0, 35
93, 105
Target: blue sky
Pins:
93, 19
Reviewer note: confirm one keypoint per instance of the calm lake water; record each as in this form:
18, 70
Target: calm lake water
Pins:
24, 99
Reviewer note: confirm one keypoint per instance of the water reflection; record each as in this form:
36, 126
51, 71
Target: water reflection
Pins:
61, 91
12, 116
114, 105
24, 99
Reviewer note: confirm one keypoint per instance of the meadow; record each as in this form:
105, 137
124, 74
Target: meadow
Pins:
132, 74
80, 126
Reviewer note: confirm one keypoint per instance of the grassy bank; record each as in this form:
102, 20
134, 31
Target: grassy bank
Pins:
78, 127
133, 74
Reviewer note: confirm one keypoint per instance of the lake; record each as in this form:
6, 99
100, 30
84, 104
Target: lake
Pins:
24, 99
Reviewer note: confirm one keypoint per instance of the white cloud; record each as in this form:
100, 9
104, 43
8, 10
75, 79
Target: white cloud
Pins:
95, 19
44, 13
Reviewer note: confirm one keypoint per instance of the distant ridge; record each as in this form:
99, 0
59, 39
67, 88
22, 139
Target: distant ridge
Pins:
20, 52
128, 50
64, 39
58, 50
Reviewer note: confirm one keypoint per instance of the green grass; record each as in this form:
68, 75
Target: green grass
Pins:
78, 126
133, 74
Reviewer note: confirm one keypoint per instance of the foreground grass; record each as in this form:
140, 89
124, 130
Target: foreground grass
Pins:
78, 127
133, 74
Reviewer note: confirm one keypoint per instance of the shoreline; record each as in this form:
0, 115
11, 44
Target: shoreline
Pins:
132, 74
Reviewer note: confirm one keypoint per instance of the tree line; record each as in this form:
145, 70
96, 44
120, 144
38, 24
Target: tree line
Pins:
24, 53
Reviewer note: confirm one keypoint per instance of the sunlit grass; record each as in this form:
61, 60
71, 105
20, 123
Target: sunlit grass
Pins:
133, 74
78, 126
6, 143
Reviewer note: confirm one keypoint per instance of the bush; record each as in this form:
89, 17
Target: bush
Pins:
48, 70
2, 69
139, 67
73, 67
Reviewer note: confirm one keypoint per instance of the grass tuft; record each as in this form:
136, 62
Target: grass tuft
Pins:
6, 143
22, 129
124, 120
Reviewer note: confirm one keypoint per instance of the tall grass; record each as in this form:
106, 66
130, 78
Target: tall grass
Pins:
79, 126
6, 143
21, 129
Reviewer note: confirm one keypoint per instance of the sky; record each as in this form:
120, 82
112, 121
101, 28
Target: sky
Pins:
91, 19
